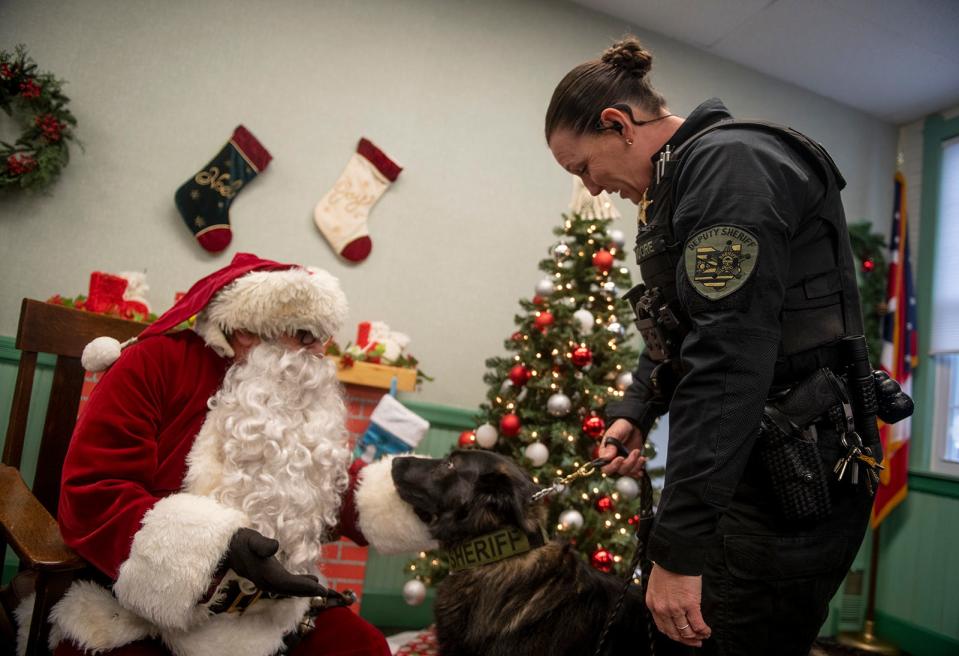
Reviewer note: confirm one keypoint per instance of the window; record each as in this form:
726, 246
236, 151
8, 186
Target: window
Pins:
944, 329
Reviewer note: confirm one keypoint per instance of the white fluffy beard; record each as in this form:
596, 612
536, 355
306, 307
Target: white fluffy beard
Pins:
274, 445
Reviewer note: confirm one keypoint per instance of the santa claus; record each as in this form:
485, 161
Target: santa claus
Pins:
206, 470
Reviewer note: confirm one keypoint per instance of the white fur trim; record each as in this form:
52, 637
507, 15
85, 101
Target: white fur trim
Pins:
93, 619
173, 558
273, 303
387, 521
99, 354
213, 336
257, 632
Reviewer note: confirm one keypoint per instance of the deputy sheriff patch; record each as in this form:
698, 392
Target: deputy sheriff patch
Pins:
720, 260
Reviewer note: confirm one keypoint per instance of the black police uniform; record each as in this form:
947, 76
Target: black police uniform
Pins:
747, 246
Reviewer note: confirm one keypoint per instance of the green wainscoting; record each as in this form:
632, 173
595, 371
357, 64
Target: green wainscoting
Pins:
918, 587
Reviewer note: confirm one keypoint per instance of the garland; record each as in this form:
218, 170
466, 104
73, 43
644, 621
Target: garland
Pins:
34, 100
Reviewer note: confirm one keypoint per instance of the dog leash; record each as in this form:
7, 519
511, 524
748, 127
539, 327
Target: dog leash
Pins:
642, 532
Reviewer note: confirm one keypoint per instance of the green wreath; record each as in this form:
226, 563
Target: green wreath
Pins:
34, 100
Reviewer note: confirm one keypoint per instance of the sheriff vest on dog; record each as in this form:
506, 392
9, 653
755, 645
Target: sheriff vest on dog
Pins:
205, 471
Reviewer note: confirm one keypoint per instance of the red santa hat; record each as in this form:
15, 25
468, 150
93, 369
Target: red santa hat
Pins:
259, 296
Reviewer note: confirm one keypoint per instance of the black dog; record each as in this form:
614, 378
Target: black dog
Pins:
500, 600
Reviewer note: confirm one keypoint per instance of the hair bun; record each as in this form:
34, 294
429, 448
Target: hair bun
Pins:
629, 55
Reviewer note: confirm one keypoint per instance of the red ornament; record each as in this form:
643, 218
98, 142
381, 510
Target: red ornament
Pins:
519, 375
20, 163
29, 89
517, 336
602, 560
509, 425
603, 260
868, 265
538, 300
594, 426
633, 521
582, 356
467, 439
604, 504
543, 321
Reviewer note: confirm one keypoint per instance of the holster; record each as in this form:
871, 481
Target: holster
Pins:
788, 445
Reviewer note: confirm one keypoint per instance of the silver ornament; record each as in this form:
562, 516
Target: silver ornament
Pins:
414, 592
571, 519
506, 386
618, 238
627, 486
561, 250
545, 287
558, 405
610, 288
537, 453
617, 329
585, 319
624, 380
486, 436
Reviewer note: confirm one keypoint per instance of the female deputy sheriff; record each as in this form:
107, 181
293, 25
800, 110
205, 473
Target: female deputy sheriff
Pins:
749, 291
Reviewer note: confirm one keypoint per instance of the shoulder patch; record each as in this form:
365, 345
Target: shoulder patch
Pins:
720, 259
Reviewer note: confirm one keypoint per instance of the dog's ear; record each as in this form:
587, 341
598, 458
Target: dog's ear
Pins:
507, 497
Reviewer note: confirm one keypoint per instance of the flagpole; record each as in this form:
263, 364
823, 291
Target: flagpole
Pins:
867, 640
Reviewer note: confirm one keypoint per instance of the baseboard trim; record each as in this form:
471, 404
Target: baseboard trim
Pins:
914, 639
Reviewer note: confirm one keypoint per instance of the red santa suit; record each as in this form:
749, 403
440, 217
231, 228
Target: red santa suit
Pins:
137, 503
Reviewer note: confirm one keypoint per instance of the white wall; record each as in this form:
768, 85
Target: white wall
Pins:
455, 91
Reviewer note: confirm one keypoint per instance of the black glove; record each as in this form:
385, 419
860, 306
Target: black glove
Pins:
892, 403
250, 555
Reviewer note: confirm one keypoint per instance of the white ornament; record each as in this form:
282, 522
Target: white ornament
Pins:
545, 287
522, 394
610, 288
486, 436
506, 386
618, 238
624, 380
617, 329
561, 250
414, 592
585, 319
537, 453
571, 519
558, 405
569, 302
627, 486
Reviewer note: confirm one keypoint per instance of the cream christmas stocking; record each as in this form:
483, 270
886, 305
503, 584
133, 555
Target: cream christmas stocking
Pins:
342, 213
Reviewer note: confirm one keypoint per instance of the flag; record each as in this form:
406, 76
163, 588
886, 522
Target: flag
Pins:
899, 357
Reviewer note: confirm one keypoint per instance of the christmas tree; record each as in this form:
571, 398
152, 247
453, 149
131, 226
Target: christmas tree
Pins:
571, 353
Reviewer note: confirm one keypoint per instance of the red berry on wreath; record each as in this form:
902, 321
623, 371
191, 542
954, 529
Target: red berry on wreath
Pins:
594, 426
582, 356
519, 375
603, 260
29, 89
509, 425
19, 163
